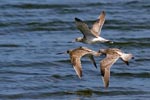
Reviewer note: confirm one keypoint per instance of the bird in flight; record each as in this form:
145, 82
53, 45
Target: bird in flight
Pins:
92, 35
112, 55
77, 54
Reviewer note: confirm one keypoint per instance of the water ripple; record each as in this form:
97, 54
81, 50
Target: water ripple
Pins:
34, 6
85, 92
138, 75
32, 32
10, 45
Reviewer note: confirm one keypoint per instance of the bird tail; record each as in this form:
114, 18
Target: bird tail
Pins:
126, 58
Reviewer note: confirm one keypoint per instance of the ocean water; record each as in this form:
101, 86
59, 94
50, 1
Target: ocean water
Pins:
32, 32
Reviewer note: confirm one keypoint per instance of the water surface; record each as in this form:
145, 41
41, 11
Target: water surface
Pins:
32, 32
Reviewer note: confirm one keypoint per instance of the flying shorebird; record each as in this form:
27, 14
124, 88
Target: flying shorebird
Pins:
77, 54
112, 55
91, 35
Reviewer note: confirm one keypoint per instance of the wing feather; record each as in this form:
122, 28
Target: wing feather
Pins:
97, 26
77, 66
105, 65
76, 56
106, 77
93, 60
83, 27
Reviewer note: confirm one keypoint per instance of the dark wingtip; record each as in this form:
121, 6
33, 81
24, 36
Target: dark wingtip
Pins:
127, 63
95, 65
77, 19
107, 85
80, 75
102, 73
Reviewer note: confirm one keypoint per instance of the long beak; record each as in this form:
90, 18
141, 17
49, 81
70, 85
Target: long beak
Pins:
61, 53
73, 41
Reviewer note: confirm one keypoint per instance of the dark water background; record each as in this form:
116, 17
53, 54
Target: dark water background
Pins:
33, 31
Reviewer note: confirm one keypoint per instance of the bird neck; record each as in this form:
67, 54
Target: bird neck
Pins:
80, 39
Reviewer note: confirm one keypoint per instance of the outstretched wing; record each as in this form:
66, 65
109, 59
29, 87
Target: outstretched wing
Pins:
77, 66
106, 77
83, 27
76, 56
93, 60
97, 26
105, 66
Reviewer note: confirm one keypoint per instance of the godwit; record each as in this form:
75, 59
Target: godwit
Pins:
112, 55
77, 54
91, 35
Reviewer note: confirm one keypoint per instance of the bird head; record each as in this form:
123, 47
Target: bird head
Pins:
79, 39
102, 51
66, 52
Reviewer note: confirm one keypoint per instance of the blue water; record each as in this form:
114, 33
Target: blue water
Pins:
32, 32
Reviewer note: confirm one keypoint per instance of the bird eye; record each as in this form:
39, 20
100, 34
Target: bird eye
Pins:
67, 51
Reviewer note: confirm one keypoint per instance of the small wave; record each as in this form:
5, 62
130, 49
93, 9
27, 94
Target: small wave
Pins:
64, 61
54, 25
138, 75
20, 73
146, 6
133, 43
132, 2
85, 92
142, 59
94, 4
107, 93
90, 92
35, 6
57, 76
10, 45
127, 27
27, 63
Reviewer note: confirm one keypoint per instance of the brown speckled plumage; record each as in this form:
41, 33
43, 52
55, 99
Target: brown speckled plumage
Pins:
112, 55
77, 54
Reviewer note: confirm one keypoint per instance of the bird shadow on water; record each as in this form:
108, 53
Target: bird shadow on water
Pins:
95, 92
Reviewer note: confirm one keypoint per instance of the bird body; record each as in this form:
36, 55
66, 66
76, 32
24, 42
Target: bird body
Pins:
77, 54
112, 55
92, 35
